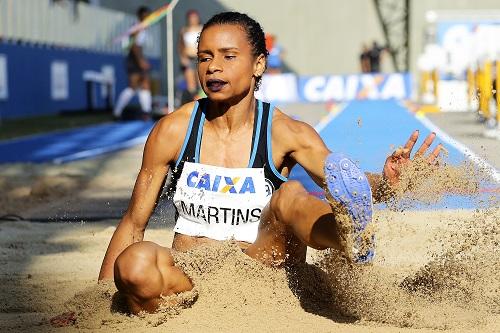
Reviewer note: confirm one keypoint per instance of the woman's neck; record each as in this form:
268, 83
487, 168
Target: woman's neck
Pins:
231, 118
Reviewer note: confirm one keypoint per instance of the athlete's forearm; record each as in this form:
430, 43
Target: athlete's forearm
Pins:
125, 234
381, 190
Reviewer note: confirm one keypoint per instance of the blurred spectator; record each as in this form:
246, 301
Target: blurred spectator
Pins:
137, 71
188, 53
276, 54
73, 4
364, 59
375, 55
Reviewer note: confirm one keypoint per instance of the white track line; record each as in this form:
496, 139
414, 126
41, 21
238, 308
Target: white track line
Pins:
482, 163
100, 150
336, 110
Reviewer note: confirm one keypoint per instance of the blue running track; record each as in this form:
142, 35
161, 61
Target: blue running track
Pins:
70, 145
368, 131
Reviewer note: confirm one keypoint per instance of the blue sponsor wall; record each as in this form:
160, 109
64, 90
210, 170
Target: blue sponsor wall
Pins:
290, 88
30, 83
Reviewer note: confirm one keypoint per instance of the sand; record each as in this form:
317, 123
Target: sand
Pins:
420, 280
434, 269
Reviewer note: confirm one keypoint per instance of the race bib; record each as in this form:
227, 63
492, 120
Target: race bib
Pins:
220, 203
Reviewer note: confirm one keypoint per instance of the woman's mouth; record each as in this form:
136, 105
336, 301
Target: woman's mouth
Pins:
215, 85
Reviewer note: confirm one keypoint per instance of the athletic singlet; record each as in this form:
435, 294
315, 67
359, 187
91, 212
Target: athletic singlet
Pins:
191, 39
218, 202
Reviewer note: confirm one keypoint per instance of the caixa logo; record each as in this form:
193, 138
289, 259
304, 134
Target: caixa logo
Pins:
221, 184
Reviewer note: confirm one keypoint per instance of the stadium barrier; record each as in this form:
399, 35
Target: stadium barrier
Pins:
290, 88
57, 57
38, 80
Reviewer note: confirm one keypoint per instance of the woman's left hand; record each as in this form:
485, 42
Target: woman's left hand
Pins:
402, 156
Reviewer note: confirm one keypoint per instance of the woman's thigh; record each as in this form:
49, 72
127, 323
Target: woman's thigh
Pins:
276, 245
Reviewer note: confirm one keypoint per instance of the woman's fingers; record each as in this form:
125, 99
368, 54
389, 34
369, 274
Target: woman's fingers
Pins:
411, 142
435, 153
427, 143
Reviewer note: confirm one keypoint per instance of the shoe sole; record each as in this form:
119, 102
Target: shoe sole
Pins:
348, 185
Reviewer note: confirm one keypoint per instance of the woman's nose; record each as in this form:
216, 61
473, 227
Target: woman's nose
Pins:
215, 65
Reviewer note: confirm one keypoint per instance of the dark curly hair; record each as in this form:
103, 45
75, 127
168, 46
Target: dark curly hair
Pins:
142, 10
253, 30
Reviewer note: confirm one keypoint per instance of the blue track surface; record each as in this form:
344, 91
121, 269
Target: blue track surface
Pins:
368, 131
70, 145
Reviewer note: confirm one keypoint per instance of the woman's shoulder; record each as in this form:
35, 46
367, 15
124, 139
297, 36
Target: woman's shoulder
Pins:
286, 128
176, 122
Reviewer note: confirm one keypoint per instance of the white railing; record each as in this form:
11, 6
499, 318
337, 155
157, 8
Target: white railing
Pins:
68, 25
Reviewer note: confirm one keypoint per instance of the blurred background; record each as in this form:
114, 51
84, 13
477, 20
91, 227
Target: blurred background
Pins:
62, 61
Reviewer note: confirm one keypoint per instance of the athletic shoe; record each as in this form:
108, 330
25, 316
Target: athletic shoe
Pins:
347, 184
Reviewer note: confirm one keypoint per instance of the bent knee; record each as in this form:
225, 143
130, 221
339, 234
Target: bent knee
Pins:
287, 198
133, 266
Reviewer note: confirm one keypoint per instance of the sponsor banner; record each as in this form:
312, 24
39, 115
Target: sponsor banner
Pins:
327, 88
278, 88
4, 88
59, 80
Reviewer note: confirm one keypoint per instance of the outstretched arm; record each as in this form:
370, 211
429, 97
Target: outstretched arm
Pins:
308, 149
161, 148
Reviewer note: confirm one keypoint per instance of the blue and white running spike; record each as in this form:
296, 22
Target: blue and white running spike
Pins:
347, 184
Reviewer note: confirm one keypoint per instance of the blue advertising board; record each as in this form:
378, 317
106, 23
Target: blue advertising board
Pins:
38, 80
288, 88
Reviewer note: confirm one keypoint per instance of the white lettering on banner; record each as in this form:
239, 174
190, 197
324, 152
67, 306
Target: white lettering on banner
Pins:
394, 87
313, 89
334, 90
278, 87
108, 71
369, 86
4, 87
351, 90
59, 80
345, 88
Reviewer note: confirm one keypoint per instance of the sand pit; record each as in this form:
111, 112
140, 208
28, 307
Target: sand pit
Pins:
434, 270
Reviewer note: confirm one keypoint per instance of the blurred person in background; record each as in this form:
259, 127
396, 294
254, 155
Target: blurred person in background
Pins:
276, 54
375, 55
188, 53
364, 59
138, 72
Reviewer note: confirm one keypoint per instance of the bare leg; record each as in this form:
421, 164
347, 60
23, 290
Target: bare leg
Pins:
144, 271
127, 94
145, 98
291, 221
144, 81
134, 80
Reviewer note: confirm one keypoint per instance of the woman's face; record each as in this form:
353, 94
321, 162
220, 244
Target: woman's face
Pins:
193, 19
227, 66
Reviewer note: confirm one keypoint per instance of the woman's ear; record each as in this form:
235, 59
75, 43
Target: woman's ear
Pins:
260, 66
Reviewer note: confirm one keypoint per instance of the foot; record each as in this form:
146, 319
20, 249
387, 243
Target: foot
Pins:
347, 184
